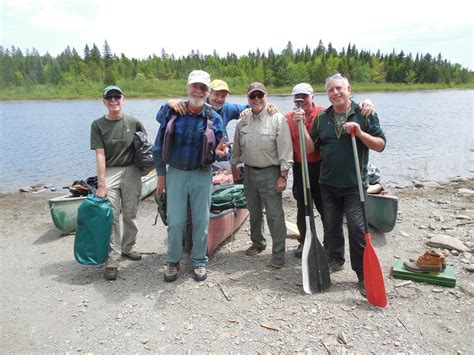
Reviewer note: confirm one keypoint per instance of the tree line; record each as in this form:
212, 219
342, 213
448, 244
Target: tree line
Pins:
18, 69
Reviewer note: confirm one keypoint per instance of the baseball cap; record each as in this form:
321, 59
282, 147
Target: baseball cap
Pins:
302, 88
111, 88
256, 86
217, 85
199, 76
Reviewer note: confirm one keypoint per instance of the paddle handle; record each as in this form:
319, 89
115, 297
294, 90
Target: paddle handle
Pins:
359, 181
304, 165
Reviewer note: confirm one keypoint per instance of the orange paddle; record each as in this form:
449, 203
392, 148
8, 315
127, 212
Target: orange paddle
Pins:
373, 277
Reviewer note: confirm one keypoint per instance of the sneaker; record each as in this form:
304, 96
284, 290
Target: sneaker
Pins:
253, 250
133, 255
110, 273
361, 288
171, 272
200, 273
299, 251
335, 266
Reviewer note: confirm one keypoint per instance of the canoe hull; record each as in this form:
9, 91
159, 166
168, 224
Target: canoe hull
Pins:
64, 208
223, 225
382, 211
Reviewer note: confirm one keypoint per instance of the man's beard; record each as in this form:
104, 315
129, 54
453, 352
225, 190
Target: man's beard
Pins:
196, 102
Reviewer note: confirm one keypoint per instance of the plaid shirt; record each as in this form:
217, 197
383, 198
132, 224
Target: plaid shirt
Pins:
185, 150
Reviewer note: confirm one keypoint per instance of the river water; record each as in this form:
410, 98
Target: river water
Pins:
430, 135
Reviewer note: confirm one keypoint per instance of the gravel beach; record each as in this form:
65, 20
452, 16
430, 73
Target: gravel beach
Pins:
50, 303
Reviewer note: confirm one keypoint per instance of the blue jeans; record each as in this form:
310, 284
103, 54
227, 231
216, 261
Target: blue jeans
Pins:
337, 202
181, 185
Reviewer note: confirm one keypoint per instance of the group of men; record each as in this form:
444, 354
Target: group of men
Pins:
266, 142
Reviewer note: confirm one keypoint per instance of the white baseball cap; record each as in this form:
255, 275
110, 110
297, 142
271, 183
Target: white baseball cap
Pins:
302, 88
199, 76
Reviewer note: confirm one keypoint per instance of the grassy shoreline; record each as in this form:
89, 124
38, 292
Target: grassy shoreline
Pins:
176, 88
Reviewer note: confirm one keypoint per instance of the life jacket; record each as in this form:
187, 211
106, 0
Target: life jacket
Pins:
208, 144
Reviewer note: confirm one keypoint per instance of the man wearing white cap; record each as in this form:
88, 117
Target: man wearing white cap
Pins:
180, 145
309, 114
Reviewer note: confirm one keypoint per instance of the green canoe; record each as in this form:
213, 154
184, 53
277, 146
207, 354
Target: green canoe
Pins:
64, 208
382, 209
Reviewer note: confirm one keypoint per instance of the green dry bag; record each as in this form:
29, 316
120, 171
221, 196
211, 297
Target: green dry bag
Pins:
94, 226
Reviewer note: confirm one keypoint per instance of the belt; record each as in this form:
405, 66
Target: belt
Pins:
258, 168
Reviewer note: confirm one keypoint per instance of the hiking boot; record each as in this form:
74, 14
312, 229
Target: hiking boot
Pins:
110, 273
335, 266
200, 273
133, 255
253, 250
299, 251
361, 288
171, 272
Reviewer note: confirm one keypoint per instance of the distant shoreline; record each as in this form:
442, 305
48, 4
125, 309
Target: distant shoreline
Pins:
165, 89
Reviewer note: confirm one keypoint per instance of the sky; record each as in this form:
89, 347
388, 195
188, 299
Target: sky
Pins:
139, 28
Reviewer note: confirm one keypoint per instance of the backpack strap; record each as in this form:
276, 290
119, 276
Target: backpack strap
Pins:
168, 137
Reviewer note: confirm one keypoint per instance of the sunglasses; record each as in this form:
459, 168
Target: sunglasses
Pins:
255, 95
111, 97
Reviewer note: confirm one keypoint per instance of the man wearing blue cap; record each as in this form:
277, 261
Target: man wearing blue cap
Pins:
118, 178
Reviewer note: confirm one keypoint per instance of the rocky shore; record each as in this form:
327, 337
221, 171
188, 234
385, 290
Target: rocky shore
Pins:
50, 303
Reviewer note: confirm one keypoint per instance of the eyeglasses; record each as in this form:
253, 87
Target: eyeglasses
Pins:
201, 87
255, 95
111, 97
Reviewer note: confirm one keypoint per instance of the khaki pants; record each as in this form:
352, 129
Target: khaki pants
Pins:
124, 186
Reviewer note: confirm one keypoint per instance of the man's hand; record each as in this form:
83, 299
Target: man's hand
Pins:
246, 112
222, 148
272, 109
352, 126
160, 185
367, 108
101, 191
298, 115
236, 173
281, 184
177, 105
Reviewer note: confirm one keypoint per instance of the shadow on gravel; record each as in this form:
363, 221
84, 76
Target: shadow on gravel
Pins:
49, 236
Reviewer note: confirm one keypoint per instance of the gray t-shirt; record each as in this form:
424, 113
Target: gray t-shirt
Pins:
116, 138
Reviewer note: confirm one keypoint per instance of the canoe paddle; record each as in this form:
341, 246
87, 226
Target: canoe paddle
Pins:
314, 262
373, 277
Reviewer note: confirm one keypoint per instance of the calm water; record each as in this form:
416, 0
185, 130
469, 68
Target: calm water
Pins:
429, 135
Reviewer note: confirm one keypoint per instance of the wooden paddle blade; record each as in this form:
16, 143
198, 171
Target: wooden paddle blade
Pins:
314, 265
373, 276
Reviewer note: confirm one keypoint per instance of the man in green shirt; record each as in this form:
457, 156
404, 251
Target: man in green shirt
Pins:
118, 178
338, 178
